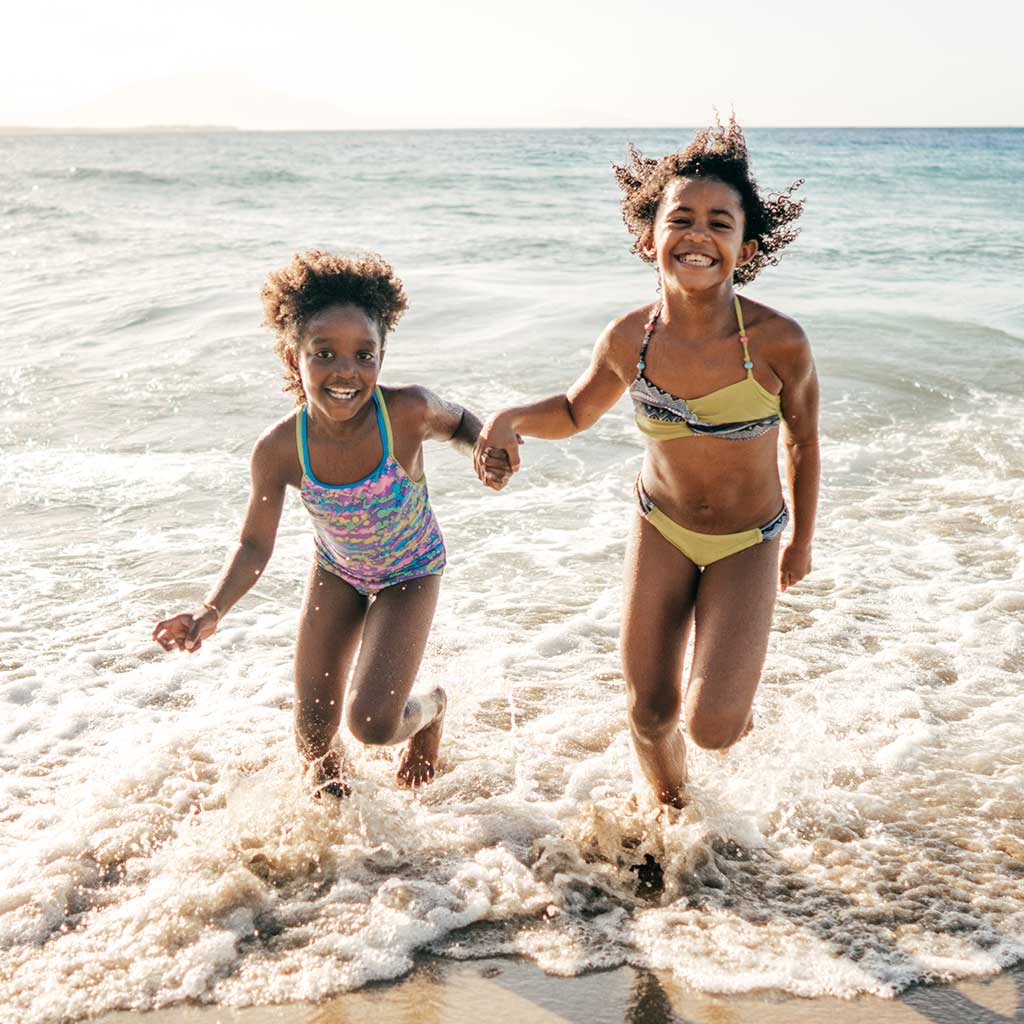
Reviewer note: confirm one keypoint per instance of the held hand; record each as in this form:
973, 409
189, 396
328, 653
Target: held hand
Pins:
186, 631
794, 565
497, 440
497, 468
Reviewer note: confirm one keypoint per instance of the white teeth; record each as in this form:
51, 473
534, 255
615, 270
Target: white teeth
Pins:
697, 260
341, 393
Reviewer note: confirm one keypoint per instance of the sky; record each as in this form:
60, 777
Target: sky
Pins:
308, 64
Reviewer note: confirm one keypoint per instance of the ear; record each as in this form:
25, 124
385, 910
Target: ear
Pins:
647, 249
747, 250
290, 359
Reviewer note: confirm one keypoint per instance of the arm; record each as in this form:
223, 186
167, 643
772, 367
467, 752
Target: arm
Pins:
596, 390
803, 461
245, 564
448, 421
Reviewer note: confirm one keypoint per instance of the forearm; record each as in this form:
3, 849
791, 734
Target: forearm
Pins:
803, 473
243, 568
467, 432
550, 418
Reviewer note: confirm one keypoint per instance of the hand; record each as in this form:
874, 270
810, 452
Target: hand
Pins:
186, 631
794, 565
497, 468
497, 439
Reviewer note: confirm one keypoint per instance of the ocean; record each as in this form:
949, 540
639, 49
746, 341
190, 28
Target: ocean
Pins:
156, 844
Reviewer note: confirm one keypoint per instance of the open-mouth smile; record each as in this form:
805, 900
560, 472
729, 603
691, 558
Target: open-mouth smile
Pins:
341, 394
696, 259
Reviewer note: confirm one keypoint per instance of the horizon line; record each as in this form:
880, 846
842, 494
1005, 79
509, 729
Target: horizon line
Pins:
185, 128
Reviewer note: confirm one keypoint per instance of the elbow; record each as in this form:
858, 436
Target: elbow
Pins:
258, 554
575, 425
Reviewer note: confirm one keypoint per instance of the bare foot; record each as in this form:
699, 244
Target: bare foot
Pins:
417, 761
328, 775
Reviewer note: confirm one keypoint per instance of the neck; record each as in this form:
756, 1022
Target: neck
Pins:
703, 310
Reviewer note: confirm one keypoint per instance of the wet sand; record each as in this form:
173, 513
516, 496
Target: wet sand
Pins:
500, 991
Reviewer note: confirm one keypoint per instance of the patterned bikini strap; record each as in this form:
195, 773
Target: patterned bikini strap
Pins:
747, 364
648, 331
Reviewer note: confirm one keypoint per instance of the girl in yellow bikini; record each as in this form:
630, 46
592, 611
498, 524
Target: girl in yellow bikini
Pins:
704, 544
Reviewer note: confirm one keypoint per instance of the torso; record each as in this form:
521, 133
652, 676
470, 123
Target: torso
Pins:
709, 484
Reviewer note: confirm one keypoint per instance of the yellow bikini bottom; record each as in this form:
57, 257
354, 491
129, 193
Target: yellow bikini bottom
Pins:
705, 548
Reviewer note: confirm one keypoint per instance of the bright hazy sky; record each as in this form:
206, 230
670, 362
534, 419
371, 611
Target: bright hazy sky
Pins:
415, 63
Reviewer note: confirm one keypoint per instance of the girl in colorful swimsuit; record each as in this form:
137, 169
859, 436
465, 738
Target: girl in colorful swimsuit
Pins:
704, 544
353, 450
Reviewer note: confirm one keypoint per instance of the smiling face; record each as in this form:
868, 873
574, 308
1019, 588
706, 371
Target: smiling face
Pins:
697, 237
338, 358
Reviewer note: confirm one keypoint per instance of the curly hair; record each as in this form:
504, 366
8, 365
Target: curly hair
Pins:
716, 152
314, 280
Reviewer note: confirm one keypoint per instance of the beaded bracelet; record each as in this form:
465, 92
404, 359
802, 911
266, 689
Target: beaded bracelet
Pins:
213, 608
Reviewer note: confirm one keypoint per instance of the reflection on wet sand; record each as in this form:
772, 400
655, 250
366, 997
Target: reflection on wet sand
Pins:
497, 991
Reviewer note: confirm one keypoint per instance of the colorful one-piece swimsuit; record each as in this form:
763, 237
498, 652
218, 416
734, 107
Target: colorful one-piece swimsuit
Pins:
375, 532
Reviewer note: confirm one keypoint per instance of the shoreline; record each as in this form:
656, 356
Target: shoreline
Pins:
506, 991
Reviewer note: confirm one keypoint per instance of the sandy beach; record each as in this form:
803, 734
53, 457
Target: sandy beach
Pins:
500, 991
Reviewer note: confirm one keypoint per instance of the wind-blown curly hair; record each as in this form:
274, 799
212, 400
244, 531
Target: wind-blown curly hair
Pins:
315, 280
716, 152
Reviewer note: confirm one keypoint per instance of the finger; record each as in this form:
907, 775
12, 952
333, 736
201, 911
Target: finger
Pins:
513, 457
192, 640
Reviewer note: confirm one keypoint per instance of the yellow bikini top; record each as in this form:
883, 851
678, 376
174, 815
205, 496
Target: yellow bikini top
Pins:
736, 412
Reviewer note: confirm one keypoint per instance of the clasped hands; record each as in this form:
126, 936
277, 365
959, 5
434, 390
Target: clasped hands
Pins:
496, 453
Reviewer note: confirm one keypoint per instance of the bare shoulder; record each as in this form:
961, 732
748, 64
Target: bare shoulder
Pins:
418, 413
619, 344
408, 405
275, 454
781, 339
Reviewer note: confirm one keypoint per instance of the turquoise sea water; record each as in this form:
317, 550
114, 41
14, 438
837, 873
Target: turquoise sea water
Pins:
154, 842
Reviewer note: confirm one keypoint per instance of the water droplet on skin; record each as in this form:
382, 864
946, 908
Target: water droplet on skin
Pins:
332, 703
317, 608
369, 718
264, 498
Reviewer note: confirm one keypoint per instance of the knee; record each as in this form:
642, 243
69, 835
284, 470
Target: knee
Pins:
652, 717
374, 730
714, 730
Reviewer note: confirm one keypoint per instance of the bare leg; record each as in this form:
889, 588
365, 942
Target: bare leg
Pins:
733, 618
329, 630
660, 588
381, 710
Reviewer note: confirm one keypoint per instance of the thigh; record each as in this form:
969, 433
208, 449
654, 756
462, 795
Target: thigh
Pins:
330, 627
660, 587
394, 639
732, 620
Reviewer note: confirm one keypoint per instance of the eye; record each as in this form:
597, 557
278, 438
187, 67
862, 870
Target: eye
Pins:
367, 357
323, 353
720, 224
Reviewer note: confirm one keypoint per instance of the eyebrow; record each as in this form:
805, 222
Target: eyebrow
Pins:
717, 211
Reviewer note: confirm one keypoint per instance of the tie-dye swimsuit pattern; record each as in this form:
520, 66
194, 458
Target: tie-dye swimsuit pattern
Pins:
375, 532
